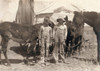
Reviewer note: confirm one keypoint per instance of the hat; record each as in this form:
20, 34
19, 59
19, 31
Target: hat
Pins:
60, 19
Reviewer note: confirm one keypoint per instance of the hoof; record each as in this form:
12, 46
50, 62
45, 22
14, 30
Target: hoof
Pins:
65, 55
26, 62
56, 63
64, 61
36, 61
68, 54
43, 64
47, 64
7, 64
1, 62
98, 63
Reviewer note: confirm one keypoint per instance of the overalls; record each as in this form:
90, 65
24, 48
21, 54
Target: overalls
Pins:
45, 36
59, 35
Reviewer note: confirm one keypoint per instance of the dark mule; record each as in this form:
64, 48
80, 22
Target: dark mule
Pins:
75, 33
19, 33
93, 19
70, 37
78, 33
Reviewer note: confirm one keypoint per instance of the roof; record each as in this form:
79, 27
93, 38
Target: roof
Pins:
48, 6
8, 8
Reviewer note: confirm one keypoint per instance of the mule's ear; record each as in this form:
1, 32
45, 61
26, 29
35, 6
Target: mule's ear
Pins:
76, 13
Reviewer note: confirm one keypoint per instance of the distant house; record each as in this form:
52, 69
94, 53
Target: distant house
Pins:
40, 17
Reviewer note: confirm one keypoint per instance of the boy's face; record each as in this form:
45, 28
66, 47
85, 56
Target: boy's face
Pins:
46, 22
61, 21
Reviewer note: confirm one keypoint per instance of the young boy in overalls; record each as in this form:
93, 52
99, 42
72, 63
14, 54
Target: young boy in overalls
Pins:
45, 36
59, 35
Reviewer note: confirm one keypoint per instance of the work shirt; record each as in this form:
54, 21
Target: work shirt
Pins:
45, 34
60, 32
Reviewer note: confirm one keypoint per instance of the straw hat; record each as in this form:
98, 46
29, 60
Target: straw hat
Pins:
60, 18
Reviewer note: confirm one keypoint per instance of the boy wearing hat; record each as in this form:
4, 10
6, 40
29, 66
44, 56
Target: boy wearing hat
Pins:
59, 34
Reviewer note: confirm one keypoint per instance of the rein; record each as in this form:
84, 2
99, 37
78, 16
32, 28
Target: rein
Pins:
76, 45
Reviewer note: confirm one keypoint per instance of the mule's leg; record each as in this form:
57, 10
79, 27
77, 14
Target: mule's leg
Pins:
72, 46
27, 59
35, 57
69, 51
80, 44
0, 57
28, 52
98, 40
67, 48
80, 47
77, 45
34, 50
4, 49
0, 49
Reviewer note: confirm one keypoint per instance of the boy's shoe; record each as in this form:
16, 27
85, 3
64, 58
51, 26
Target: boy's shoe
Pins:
41, 60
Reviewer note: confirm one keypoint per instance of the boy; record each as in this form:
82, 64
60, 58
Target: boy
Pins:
45, 36
59, 34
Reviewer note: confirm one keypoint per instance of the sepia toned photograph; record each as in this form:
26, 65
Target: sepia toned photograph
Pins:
49, 35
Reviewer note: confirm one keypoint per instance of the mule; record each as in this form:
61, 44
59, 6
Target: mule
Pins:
93, 19
23, 34
75, 34
79, 25
70, 37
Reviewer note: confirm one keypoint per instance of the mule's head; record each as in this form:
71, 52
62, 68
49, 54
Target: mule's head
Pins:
78, 18
46, 21
78, 22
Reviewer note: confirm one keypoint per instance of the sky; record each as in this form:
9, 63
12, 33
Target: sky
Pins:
8, 8
88, 5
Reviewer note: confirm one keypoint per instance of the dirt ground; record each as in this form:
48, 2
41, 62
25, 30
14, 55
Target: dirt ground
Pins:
86, 61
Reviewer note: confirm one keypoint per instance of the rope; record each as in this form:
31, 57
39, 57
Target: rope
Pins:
76, 44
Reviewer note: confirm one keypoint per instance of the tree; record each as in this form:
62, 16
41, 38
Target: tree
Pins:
25, 13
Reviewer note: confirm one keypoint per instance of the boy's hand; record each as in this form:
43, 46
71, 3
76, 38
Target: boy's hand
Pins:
52, 39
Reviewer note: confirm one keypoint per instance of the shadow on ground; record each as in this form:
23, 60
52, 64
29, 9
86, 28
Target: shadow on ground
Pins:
86, 60
20, 50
